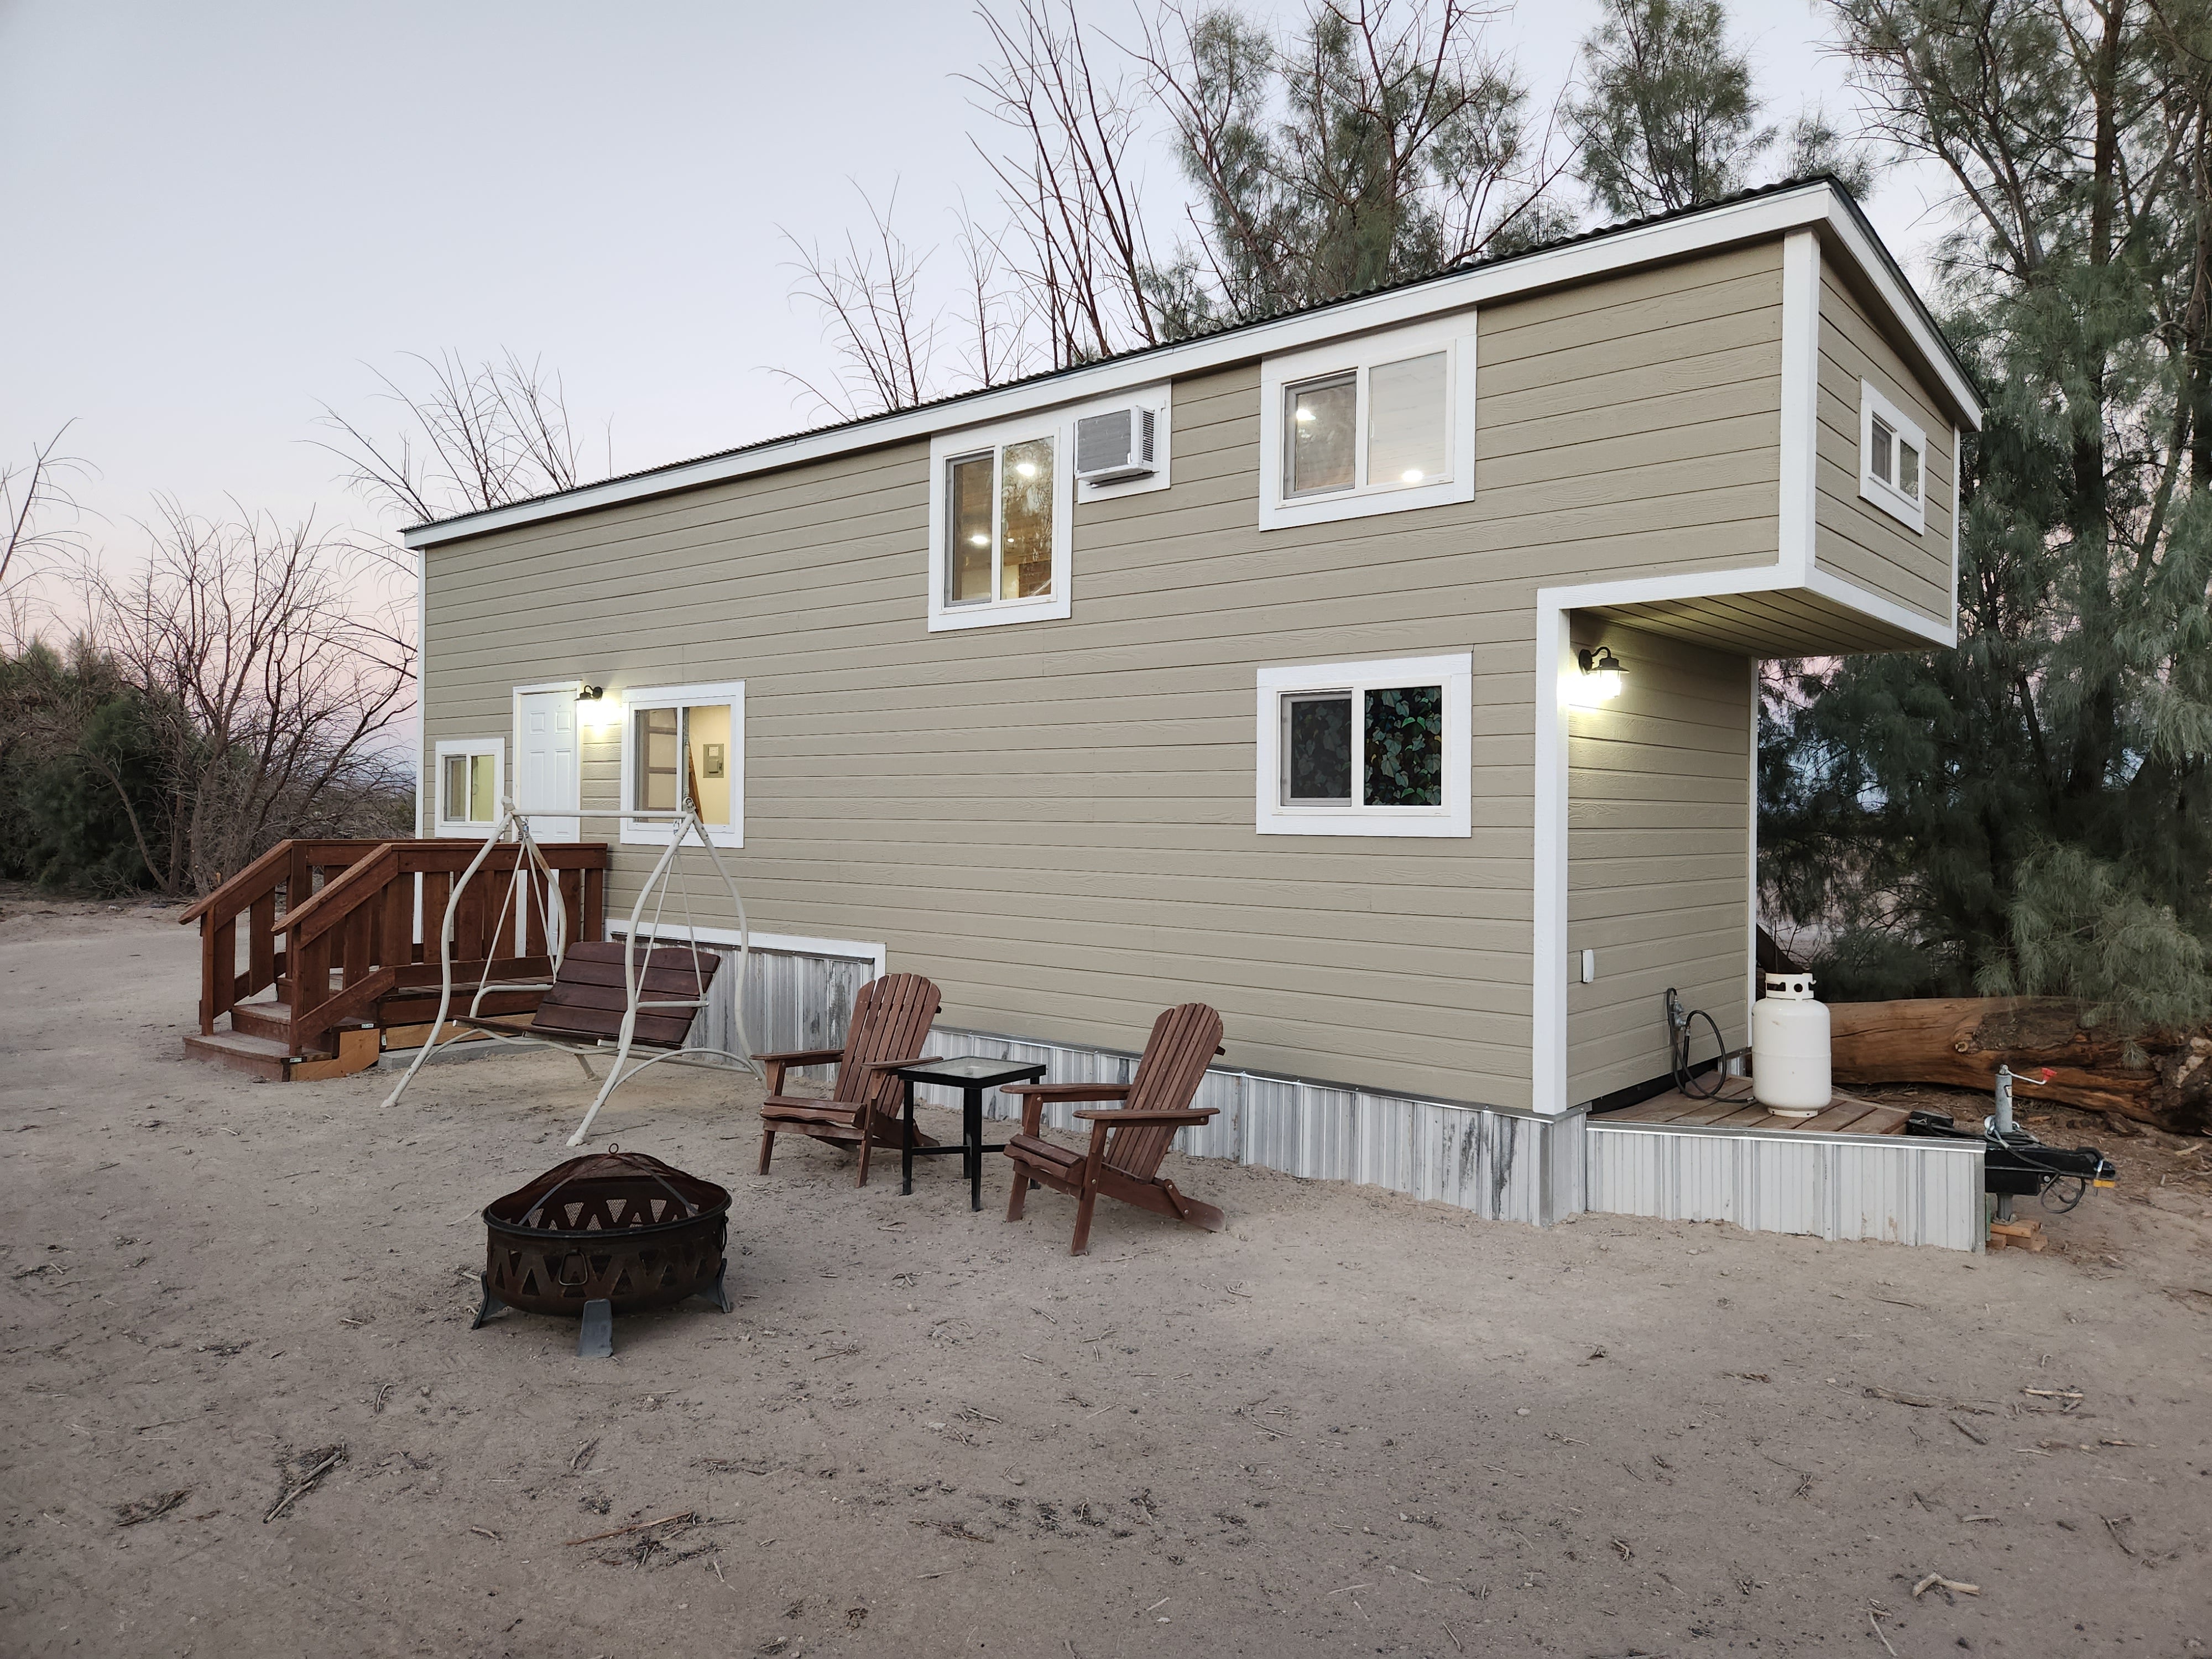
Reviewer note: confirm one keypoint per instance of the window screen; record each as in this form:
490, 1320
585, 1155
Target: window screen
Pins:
1317, 748
1406, 420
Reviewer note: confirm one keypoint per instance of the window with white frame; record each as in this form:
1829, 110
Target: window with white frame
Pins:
1378, 748
470, 782
1893, 459
684, 743
1001, 502
1377, 425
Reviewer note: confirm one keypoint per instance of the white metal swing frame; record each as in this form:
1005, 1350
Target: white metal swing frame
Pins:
553, 922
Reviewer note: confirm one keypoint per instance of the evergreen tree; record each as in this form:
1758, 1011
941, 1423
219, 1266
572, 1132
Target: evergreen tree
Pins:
2033, 811
1670, 120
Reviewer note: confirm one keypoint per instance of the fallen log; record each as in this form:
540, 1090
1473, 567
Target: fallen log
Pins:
1960, 1042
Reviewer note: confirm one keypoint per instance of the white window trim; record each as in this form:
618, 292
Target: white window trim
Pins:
996, 612
460, 828
636, 697
1455, 337
1455, 673
1908, 510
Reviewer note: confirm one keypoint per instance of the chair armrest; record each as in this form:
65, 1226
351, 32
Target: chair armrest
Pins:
892, 1065
776, 1064
1123, 1114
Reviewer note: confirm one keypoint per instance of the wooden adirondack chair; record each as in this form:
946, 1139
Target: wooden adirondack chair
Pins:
891, 1017
1128, 1141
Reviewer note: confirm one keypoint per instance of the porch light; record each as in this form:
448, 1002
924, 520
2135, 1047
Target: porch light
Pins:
1601, 676
586, 692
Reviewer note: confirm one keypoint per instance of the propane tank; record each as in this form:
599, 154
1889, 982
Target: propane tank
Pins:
1790, 1048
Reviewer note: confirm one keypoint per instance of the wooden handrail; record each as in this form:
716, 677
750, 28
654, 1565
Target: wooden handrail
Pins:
361, 926
417, 858
264, 874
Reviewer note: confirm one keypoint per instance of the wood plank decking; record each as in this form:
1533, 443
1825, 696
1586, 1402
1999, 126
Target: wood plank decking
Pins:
1736, 1109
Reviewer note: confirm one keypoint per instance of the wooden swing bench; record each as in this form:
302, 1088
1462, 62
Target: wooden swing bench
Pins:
582, 1010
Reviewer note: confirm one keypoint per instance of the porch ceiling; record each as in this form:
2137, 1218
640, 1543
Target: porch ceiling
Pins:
1792, 623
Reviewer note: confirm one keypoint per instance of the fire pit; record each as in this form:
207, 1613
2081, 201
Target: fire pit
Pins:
610, 1232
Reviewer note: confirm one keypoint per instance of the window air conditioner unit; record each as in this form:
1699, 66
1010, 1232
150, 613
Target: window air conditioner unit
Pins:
1115, 447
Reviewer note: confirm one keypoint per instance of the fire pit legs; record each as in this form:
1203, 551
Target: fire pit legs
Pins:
595, 1337
492, 1304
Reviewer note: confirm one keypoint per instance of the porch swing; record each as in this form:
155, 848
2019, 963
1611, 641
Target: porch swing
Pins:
578, 1005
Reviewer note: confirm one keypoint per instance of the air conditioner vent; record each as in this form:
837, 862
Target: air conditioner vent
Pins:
1115, 447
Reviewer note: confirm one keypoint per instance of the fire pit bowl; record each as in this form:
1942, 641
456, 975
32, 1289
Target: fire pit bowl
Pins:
610, 1232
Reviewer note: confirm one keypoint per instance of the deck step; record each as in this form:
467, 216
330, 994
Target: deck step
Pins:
257, 1056
271, 1019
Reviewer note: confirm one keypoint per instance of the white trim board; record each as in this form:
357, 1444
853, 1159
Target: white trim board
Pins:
1817, 205
1795, 569
797, 945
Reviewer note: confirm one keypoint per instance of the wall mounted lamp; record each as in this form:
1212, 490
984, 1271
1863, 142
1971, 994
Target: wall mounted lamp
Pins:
1601, 674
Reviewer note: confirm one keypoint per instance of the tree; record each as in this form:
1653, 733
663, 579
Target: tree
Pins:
259, 706
1670, 120
31, 544
2033, 811
1382, 142
472, 436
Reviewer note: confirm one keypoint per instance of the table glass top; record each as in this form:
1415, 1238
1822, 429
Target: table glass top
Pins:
969, 1067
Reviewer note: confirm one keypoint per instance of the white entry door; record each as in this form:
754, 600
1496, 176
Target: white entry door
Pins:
545, 761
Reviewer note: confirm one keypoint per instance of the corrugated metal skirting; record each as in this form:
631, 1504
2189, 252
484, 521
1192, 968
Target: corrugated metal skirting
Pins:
1903, 1189
791, 1002
1504, 1166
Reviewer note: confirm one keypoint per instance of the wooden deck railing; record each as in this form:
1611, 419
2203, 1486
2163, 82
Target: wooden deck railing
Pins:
336, 952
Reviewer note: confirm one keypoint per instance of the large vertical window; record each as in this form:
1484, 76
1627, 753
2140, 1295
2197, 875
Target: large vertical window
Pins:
1000, 544
1366, 748
999, 549
470, 784
685, 742
1378, 425
1892, 449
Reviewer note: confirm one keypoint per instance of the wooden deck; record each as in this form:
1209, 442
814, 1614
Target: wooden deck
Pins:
1736, 1109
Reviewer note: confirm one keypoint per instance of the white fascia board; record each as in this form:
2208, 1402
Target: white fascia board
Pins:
1876, 268
1815, 203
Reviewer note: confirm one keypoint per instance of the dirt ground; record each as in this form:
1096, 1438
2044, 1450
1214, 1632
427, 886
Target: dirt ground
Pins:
1351, 1424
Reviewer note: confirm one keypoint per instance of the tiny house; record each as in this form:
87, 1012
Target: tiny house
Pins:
1382, 674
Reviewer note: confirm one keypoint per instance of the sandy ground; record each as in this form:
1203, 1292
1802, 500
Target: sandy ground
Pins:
1351, 1424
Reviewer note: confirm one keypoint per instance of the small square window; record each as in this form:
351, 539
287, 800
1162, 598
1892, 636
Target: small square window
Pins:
469, 783
1367, 748
1893, 459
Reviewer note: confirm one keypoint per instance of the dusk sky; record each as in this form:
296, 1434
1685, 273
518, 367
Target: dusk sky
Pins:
221, 216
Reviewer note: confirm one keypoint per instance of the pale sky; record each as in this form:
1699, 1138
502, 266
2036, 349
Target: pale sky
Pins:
214, 218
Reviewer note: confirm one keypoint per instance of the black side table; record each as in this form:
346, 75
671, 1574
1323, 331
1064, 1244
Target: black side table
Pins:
971, 1076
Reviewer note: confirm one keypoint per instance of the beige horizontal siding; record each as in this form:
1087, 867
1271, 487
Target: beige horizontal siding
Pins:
1054, 820
1852, 537
1658, 854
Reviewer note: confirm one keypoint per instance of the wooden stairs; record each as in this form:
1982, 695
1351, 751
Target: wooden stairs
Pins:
354, 915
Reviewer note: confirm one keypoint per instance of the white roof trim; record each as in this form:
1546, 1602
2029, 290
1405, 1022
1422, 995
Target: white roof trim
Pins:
1815, 204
